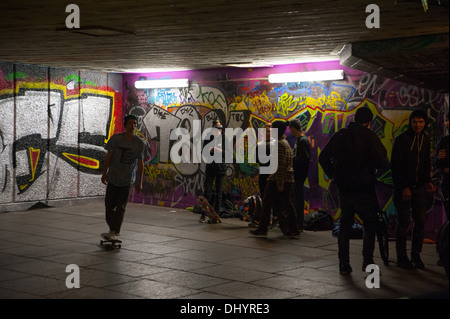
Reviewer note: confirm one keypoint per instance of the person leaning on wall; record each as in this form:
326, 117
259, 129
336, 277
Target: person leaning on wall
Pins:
411, 173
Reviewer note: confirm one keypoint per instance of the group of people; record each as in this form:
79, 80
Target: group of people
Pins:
351, 159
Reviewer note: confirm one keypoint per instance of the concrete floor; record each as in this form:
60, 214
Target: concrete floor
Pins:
167, 254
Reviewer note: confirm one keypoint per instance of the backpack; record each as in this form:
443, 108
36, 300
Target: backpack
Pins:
319, 220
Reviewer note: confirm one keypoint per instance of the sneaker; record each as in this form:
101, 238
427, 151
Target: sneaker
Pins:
345, 268
258, 232
417, 261
405, 263
294, 234
202, 219
111, 235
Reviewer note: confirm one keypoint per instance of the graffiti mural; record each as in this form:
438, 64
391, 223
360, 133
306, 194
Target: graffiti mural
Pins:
53, 128
322, 108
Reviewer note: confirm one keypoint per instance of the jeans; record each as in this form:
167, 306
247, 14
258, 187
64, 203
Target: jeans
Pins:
116, 200
364, 203
271, 197
415, 208
216, 200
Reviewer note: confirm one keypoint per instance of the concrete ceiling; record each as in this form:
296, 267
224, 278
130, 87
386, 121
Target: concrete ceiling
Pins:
213, 33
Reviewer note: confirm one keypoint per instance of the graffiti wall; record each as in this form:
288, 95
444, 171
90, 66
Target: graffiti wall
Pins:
53, 126
243, 99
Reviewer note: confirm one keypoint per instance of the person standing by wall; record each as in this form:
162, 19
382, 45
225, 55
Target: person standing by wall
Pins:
215, 172
302, 151
125, 153
411, 173
279, 186
351, 159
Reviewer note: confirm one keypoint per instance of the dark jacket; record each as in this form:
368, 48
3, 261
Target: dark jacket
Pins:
352, 156
217, 168
411, 160
301, 158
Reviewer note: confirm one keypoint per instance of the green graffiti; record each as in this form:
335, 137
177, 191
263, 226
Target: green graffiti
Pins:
15, 75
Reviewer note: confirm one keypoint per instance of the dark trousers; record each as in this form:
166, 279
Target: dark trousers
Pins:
116, 200
298, 198
417, 209
278, 206
214, 200
364, 203
288, 223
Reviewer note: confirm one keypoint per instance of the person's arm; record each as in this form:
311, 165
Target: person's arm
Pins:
106, 164
326, 158
140, 175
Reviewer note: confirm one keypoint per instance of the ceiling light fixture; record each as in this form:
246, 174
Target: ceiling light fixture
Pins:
159, 84
328, 75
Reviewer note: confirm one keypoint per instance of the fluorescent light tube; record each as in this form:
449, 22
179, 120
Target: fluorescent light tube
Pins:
159, 84
306, 76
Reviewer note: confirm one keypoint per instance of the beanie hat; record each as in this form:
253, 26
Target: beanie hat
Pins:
281, 126
363, 115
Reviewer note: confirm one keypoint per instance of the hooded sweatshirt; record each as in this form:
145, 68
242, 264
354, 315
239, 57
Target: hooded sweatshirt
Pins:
352, 156
411, 161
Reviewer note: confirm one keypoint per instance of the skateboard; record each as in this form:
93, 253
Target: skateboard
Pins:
213, 218
112, 243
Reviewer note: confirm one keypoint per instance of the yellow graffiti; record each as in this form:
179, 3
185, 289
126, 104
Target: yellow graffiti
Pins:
332, 101
287, 103
256, 103
155, 172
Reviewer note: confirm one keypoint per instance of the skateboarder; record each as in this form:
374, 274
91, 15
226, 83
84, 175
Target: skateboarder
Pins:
125, 152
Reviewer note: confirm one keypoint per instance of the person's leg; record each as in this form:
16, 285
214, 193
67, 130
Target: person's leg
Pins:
347, 220
298, 199
110, 205
403, 220
219, 180
207, 192
270, 194
122, 200
367, 209
418, 207
288, 223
